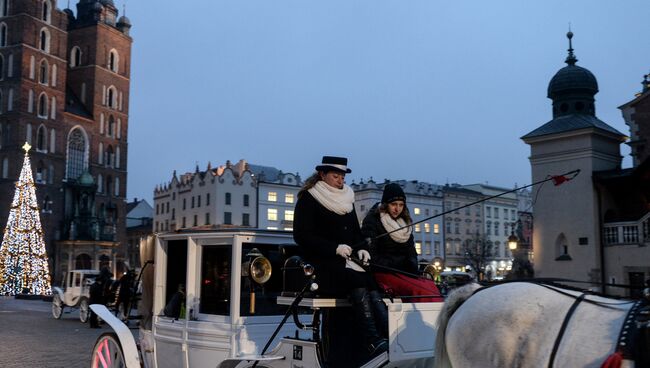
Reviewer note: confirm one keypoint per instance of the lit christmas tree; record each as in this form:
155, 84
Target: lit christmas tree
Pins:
23, 260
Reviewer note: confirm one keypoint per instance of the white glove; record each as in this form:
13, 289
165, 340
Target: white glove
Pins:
364, 256
344, 250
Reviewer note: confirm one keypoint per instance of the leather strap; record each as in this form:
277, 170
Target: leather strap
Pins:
565, 323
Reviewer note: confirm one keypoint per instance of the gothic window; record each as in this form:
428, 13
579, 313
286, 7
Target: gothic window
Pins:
42, 105
3, 34
113, 61
45, 14
109, 156
4, 8
40, 173
75, 57
53, 108
100, 156
117, 187
41, 139
77, 153
111, 126
10, 66
109, 185
43, 71
10, 103
53, 77
100, 183
112, 96
44, 44
117, 157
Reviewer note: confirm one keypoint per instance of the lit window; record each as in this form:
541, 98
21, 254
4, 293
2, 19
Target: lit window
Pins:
436, 228
288, 229
288, 198
272, 214
418, 247
271, 228
288, 215
272, 197
417, 228
427, 228
416, 210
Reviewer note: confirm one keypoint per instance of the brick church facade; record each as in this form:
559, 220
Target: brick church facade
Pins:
64, 88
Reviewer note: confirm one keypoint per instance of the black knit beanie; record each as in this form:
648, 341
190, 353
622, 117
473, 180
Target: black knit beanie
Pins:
393, 192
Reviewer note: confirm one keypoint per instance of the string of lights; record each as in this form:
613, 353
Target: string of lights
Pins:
23, 258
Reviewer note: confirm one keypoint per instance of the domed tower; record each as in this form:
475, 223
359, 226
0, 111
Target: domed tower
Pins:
566, 234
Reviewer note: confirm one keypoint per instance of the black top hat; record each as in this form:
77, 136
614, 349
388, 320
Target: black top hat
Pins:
393, 192
332, 163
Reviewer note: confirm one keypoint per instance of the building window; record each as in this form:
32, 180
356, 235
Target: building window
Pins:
113, 61
207, 218
496, 212
417, 228
207, 199
3, 34
488, 212
427, 228
245, 219
228, 198
496, 228
457, 228
227, 218
436, 228
75, 57
4, 8
488, 228
45, 14
42, 106
416, 210
44, 44
173, 213
183, 222
43, 72
418, 247
436, 247
41, 136
196, 220
272, 214
198, 201
192, 202
76, 160
272, 197
246, 200
427, 247
288, 198
167, 207
111, 127
288, 215
271, 227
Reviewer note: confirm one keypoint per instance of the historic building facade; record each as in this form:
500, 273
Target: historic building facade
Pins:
595, 227
64, 88
462, 225
231, 195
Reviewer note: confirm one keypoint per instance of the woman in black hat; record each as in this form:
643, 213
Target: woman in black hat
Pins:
388, 225
327, 230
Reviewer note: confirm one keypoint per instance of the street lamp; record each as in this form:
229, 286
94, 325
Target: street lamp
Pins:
512, 239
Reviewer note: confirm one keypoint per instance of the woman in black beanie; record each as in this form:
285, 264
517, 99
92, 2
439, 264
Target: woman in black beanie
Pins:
395, 250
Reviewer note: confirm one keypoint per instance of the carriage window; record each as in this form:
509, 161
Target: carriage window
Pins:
176, 267
267, 294
215, 280
77, 279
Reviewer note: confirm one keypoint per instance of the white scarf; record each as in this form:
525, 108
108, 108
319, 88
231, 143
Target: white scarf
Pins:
339, 201
400, 236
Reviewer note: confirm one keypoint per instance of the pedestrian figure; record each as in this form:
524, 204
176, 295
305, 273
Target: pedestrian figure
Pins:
97, 294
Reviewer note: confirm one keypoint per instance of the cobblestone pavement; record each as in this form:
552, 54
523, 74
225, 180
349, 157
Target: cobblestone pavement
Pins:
31, 337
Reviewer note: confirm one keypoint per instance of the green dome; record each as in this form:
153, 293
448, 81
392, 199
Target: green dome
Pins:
86, 179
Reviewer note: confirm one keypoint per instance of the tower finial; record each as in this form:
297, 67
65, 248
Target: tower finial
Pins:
571, 58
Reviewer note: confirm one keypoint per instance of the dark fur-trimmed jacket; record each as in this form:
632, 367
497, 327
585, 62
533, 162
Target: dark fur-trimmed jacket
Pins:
385, 251
319, 231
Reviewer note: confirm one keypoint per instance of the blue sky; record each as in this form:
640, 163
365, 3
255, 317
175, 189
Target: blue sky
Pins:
437, 91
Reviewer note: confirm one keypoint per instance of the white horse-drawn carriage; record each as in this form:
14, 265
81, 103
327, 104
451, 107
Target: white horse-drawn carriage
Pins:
74, 293
231, 283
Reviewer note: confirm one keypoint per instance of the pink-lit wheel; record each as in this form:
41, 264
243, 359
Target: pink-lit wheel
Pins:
107, 352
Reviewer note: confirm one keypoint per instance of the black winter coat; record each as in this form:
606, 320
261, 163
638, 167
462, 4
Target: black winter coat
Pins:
385, 251
319, 231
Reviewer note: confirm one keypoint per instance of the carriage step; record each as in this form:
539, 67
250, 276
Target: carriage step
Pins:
377, 361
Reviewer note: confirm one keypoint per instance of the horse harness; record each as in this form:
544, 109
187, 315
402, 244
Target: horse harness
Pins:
633, 339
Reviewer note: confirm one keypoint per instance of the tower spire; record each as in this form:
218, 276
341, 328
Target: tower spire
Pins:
571, 58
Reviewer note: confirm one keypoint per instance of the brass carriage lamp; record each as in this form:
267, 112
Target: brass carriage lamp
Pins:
258, 268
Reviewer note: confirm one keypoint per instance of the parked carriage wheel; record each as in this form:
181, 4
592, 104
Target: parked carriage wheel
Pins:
57, 306
107, 352
84, 310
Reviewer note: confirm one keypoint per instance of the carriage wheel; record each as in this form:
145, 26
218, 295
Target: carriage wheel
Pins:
57, 306
107, 352
84, 310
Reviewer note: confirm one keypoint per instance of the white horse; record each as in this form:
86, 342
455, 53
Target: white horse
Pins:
517, 325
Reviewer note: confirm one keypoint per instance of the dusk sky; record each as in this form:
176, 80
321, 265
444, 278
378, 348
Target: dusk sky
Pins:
436, 91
